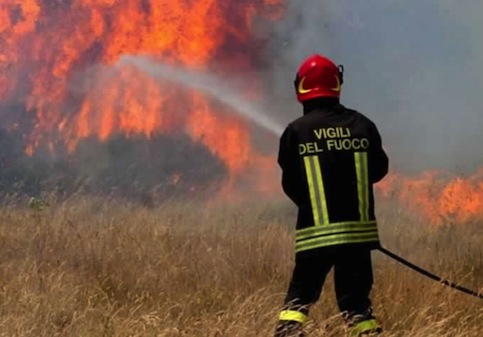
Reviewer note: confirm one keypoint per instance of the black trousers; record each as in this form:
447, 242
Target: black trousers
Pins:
353, 279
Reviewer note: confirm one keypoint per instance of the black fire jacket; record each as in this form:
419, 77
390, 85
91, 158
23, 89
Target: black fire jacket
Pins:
330, 159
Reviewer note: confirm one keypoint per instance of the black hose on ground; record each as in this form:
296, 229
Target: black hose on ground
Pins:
430, 275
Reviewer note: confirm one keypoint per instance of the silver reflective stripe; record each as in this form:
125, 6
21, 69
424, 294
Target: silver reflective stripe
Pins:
362, 171
331, 240
334, 228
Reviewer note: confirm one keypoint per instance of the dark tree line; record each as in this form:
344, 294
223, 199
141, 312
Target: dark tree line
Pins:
135, 168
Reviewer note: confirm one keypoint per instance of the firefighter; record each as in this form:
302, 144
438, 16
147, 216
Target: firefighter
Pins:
330, 159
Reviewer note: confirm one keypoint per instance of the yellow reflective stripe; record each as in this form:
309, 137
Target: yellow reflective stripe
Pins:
320, 183
293, 315
333, 240
346, 237
313, 194
362, 169
316, 190
365, 166
350, 226
357, 161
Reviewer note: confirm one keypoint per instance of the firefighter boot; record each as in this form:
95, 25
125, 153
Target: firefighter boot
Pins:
365, 327
289, 329
362, 325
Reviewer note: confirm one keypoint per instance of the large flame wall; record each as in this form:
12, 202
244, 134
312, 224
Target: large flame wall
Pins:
45, 44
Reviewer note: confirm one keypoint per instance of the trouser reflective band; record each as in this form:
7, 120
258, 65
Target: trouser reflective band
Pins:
316, 190
362, 170
293, 315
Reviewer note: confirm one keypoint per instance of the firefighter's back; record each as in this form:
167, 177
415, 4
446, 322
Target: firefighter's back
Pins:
334, 147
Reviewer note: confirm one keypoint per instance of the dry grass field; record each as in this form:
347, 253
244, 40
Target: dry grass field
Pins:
95, 267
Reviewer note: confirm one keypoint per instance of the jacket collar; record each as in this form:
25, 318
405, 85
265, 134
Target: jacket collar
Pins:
320, 104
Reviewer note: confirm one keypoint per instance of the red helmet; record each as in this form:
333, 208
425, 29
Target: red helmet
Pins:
318, 76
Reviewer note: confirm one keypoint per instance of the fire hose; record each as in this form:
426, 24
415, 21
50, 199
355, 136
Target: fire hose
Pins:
430, 275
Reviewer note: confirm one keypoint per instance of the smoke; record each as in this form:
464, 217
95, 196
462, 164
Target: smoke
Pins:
412, 66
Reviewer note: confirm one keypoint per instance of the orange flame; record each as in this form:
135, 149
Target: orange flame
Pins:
45, 44
437, 196
48, 44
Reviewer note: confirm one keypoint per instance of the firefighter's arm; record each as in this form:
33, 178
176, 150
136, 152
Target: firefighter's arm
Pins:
378, 159
289, 163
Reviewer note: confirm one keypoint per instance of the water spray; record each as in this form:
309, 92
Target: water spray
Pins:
207, 84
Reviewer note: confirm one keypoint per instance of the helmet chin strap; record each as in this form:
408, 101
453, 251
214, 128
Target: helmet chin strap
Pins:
296, 81
341, 73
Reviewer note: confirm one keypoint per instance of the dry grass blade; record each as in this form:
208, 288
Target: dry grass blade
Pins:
98, 268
